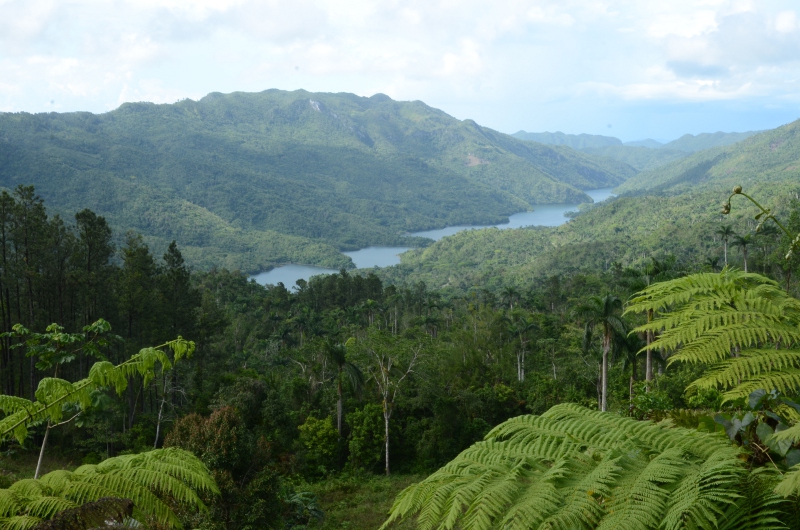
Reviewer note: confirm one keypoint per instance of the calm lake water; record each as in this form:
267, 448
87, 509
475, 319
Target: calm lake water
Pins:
544, 215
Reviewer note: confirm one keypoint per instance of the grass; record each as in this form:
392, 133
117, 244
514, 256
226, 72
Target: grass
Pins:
360, 502
17, 463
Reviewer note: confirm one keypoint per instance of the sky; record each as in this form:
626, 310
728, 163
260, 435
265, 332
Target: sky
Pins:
632, 69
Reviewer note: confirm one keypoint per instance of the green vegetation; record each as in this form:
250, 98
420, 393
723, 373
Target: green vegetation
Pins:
153, 482
485, 356
252, 180
639, 157
769, 157
690, 143
575, 468
645, 155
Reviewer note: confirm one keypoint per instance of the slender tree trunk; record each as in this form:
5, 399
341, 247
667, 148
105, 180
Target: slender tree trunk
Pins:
339, 403
604, 375
41, 451
744, 253
387, 413
648, 369
725, 246
160, 413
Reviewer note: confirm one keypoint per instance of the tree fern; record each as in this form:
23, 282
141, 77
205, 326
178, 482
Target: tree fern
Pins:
54, 394
154, 481
742, 325
573, 468
103, 513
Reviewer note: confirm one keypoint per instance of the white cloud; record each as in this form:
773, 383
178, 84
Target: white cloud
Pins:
469, 54
786, 22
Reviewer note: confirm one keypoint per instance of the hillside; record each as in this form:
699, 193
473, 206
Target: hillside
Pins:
772, 156
642, 155
640, 158
252, 180
689, 143
575, 141
626, 230
672, 210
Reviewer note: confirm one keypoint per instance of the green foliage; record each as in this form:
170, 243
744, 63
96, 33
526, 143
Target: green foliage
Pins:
155, 481
251, 490
573, 468
768, 157
731, 322
102, 512
320, 439
366, 437
53, 395
247, 181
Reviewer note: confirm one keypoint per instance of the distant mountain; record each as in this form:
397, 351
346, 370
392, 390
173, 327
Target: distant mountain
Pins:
252, 180
692, 144
575, 141
649, 143
767, 157
641, 158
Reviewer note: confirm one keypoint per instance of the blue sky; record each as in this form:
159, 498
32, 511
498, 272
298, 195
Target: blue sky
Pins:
631, 69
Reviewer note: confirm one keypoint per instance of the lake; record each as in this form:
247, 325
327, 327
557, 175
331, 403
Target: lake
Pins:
543, 215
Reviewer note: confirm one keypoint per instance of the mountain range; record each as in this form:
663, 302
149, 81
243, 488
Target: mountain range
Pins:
644, 155
251, 180
671, 210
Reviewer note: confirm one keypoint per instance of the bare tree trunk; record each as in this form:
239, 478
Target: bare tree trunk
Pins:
604, 376
339, 404
648, 369
41, 452
160, 413
387, 413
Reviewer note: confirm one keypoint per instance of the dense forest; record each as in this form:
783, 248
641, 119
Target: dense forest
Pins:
285, 400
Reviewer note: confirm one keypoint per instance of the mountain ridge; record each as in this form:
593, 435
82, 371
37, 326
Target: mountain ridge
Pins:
253, 180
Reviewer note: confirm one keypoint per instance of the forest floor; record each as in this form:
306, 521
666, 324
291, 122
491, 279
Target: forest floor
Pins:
360, 503
16, 464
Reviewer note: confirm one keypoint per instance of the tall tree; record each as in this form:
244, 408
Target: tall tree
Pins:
391, 362
336, 352
603, 311
743, 242
94, 253
725, 232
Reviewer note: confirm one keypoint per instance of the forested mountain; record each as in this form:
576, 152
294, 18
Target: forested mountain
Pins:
690, 143
575, 141
768, 157
643, 155
640, 157
673, 210
249, 180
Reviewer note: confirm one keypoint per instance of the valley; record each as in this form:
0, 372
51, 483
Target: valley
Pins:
371, 257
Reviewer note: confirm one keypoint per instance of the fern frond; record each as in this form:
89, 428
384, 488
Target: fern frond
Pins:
154, 481
19, 522
10, 503
53, 394
575, 468
47, 507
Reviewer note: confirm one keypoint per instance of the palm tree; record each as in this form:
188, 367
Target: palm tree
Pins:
510, 294
602, 311
725, 232
743, 242
712, 262
628, 346
638, 279
336, 352
519, 325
